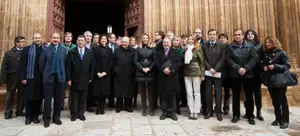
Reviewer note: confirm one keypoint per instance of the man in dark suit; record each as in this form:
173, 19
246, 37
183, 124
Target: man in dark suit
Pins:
168, 62
198, 34
9, 76
214, 59
79, 71
52, 64
31, 79
112, 44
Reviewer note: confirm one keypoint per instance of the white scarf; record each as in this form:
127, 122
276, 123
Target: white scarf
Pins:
188, 56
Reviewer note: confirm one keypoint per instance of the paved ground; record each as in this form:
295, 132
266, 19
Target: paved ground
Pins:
134, 124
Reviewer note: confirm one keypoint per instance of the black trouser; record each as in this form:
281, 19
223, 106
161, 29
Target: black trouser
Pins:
168, 103
151, 86
226, 98
179, 96
33, 109
280, 104
203, 98
227, 87
136, 89
217, 82
111, 97
78, 104
120, 103
236, 92
9, 102
55, 90
90, 97
257, 93
100, 103
183, 94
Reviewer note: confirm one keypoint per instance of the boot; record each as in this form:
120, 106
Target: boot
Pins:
119, 105
102, 103
259, 116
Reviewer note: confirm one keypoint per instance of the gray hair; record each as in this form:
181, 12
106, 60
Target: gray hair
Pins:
87, 33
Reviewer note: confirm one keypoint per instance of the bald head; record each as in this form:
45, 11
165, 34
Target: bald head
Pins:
125, 42
167, 43
37, 39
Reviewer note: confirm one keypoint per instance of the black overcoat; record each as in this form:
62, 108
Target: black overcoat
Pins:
168, 83
103, 63
79, 71
124, 69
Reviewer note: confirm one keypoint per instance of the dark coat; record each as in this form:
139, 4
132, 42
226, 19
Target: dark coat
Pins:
258, 67
45, 64
33, 90
159, 45
103, 63
279, 59
241, 57
9, 68
143, 58
79, 71
168, 83
124, 71
214, 56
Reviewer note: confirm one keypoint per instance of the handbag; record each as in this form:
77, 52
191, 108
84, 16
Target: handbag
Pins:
284, 79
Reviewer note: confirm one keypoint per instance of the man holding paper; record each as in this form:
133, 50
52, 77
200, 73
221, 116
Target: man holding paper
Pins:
214, 59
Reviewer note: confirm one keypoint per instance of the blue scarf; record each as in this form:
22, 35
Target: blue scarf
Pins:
31, 62
56, 63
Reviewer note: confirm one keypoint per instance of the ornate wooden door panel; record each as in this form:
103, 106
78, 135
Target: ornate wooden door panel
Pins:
55, 17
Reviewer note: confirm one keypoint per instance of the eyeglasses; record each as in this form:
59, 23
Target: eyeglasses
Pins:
197, 32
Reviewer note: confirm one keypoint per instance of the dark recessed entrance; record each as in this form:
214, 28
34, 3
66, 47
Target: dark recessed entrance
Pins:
95, 16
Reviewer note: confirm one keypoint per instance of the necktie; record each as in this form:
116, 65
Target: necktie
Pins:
166, 52
81, 54
55, 48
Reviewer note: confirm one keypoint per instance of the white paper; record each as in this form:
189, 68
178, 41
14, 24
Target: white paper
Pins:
217, 75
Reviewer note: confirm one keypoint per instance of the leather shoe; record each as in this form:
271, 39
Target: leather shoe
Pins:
163, 117
259, 117
284, 125
46, 124
57, 121
226, 112
178, 111
73, 118
129, 109
235, 119
28, 121
275, 123
90, 109
251, 121
7, 117
35, 120
82, 117
173, 117
219, 117
151, 113
19, 114
144, 114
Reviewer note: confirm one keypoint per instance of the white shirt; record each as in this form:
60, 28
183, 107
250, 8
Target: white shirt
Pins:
88, 45
81, 49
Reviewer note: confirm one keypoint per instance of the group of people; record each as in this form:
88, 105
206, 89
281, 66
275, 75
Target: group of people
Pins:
174, 71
